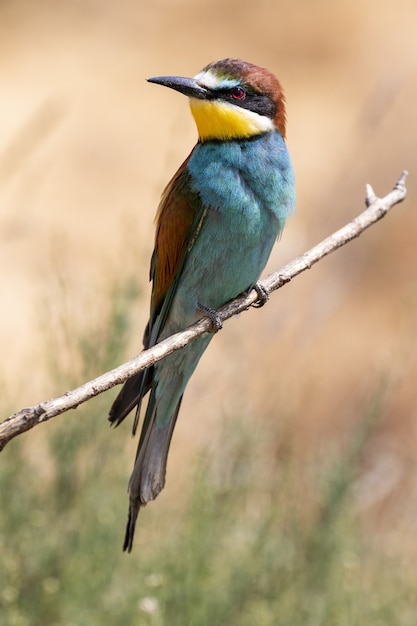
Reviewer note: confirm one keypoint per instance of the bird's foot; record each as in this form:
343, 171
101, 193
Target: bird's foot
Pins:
216, 321
263, 295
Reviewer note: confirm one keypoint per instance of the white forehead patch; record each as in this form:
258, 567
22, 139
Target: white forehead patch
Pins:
208, 79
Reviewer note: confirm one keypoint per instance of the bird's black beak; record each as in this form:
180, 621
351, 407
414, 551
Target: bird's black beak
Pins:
188, 86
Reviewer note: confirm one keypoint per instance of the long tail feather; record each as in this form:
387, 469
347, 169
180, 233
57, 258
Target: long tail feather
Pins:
148, 476
134, 508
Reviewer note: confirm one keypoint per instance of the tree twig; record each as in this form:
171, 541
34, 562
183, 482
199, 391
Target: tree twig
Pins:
27, 418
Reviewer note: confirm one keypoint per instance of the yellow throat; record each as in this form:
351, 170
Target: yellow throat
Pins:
220, 120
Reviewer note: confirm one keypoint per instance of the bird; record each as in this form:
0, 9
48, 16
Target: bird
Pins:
216, 224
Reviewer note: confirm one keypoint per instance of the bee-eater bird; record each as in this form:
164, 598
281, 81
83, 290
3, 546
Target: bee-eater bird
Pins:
216, 224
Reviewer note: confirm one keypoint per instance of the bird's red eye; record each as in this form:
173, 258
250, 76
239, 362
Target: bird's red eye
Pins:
238, 93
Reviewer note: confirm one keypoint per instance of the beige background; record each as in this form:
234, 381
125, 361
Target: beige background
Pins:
86, 146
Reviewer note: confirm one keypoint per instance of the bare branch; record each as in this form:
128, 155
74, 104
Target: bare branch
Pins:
27, 418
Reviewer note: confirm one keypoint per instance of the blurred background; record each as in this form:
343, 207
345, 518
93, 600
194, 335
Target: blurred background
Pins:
291, 493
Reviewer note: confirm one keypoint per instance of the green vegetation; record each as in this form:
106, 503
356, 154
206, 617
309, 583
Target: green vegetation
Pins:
262, 539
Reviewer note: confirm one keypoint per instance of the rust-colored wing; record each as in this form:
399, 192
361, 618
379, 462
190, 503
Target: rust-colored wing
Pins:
178, 220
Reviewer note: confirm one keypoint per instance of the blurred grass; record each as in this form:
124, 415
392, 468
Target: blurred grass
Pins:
262, 537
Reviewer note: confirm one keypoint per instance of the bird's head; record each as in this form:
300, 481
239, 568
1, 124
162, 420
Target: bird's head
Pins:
232, 99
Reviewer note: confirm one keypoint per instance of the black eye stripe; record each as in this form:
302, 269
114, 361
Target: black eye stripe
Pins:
253, 101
